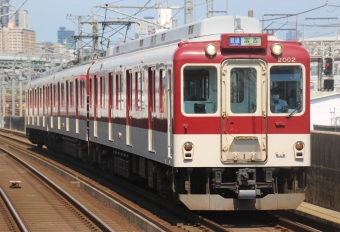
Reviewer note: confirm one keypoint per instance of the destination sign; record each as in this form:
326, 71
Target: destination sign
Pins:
244, 41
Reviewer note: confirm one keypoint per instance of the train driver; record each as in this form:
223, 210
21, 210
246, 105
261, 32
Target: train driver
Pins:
277, 105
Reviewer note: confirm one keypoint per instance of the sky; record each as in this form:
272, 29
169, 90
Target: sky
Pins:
46, 16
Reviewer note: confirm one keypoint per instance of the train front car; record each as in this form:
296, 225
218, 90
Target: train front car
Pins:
241, 121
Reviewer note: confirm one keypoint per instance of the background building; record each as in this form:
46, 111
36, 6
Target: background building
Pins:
3, 11
16, 39
291, 35
65, 37
19, 18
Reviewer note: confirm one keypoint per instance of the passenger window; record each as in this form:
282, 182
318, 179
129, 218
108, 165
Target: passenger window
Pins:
162, 91
62, 95
286, 89
71, 95
199, 90
139, 91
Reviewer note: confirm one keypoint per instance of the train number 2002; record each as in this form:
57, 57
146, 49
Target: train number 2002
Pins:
286, 60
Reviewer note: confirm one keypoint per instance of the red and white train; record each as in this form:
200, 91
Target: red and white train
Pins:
190, 110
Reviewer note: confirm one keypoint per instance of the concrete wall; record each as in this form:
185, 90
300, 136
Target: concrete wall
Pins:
324, 108
323, 177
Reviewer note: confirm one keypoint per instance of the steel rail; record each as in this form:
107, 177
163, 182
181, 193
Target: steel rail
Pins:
13, 212
296, 225
97, 221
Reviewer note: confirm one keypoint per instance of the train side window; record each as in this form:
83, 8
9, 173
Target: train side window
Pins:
34, 98
67, 102
55, 95
119, 92
71, 99
129, 90
62, 95
47, 97
82, 93
139, 91
152, 89
243, 90
102, 93
43, 99
286, 88
31, 97
162, 91
90, 93
199, 90
40, 97
110, 92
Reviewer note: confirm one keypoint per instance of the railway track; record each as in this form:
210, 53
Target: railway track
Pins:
43, 205
166, 216
9, 218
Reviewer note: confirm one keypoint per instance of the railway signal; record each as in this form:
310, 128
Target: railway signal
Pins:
328, 66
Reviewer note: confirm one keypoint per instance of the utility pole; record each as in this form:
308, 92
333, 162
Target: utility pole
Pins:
188, 8
95, 35
77, 20
210, 8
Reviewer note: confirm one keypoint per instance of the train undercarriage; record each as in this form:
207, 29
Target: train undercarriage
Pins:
235, 186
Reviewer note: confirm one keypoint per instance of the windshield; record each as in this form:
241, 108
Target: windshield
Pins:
199, 89
286, 89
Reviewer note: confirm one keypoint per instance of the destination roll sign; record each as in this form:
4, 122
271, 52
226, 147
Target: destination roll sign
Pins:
244, 40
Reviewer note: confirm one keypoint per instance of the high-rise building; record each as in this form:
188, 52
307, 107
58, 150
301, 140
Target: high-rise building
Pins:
4, 10
291, 35
19, 18
16, 39
65, 37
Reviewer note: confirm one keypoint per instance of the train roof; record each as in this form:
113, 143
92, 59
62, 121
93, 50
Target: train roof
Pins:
206, 29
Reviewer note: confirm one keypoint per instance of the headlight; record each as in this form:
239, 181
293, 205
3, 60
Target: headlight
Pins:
187, 146
299, 145
277, 49
210, 49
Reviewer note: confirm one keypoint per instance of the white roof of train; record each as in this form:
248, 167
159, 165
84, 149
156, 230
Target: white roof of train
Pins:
206, 29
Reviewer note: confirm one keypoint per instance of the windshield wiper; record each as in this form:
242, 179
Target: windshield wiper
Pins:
297, 108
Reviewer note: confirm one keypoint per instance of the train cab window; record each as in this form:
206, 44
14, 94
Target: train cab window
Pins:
286, 84
243, 94
199, 90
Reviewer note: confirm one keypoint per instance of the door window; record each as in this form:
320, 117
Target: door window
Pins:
243, 90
